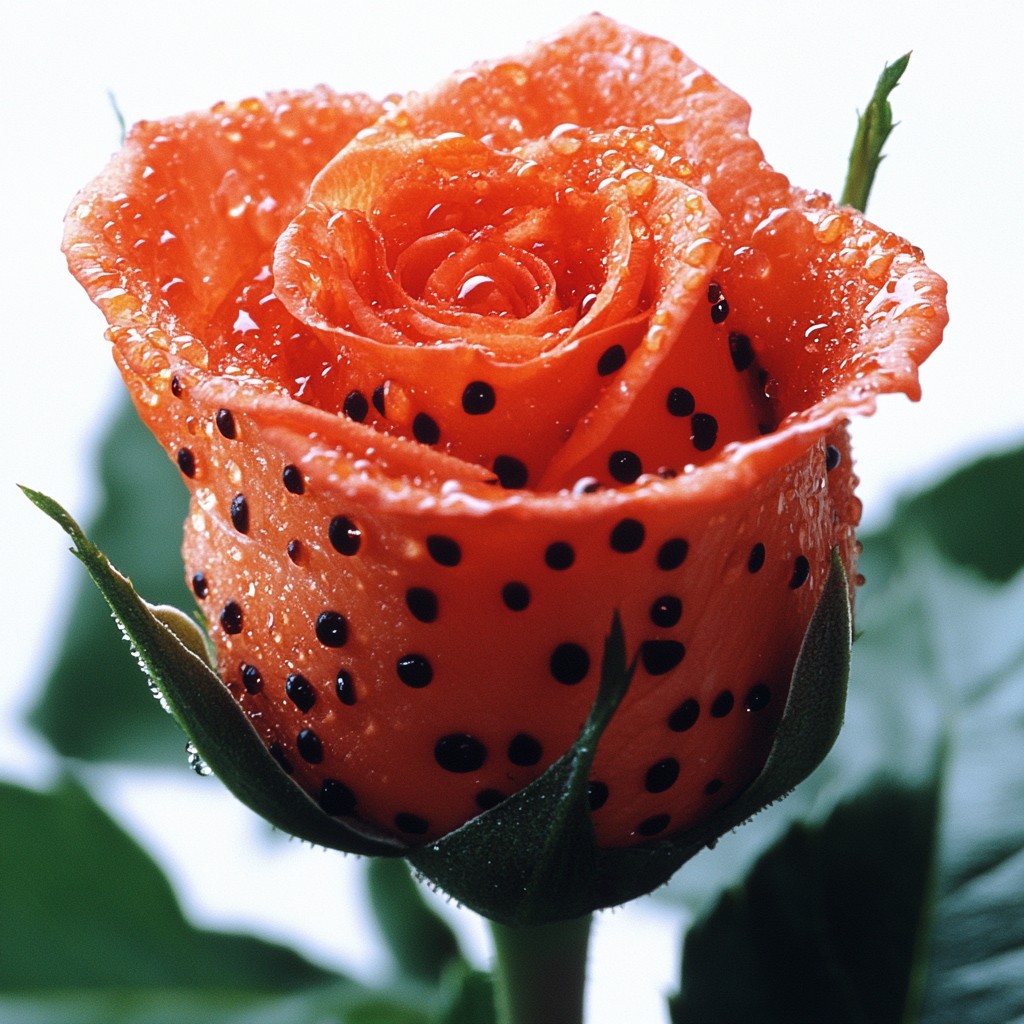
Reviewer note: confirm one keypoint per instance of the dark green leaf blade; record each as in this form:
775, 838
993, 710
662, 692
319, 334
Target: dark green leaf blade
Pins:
873, 129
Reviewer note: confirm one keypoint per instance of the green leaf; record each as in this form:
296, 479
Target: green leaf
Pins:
215, 724
873, 129
92, 706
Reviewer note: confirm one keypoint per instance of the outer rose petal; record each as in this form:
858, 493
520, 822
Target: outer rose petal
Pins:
414, 642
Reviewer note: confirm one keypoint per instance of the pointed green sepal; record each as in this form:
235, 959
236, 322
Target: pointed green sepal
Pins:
533, 858
172, 651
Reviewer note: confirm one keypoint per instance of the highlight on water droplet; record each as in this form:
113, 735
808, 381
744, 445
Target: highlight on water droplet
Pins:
195, 760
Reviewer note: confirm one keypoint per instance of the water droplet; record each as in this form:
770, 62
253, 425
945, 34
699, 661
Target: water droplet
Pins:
195, 760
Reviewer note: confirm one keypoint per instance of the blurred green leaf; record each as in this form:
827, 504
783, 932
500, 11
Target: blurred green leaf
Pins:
92, 706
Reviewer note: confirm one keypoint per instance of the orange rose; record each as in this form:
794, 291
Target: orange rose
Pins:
453, 380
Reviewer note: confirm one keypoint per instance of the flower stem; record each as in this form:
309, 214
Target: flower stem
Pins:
540, 971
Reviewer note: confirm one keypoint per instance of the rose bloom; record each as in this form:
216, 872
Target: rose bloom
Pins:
454, 377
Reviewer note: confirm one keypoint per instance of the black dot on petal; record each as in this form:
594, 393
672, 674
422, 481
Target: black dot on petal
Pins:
292, 479
377, 398
653, 825
511, 472
627, 535
177, 389
251, 678
569, 663
516, 596
756, 559
422, 603
666, 611
231, 618
714, 292
199, 586
460, 753
722, 704
411, 824
355, 406
344, 535
425, 429
833, 457
300, 692
278, 754
309, 746
703, 431
332, 629
345, 687
719, 311
488, 798
661, 656
478, 398
444, 550
758, 697
680, 402
612, 359
336, 798
524, 750
801, 571
240, 513
295, 550
415, 670
661, 775
597, 795
713, 787
187, 462
672, 553
624, 466
559, 555
226, 423
741, 351
685, 716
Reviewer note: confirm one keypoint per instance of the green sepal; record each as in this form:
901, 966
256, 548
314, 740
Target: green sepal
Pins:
172, 652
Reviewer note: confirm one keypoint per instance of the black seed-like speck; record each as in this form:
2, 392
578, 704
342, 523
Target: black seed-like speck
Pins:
661, 656
478, 398
703, 431
832, 457
422, 603
488, 798
231, 618
332, 629
597, 795
713, 787
459, 752
345, 688
336, 798
653, 825
666, 611
801, 571
295, 550
199, 586
187, 462
515, 595
685, 716
662, 775
226, 423
758, 697
378, 399
680, 402
344, 535
176, 386
741, 351
722, 704
624, 466
251, 678
524, 750
672, 553
612, 359
444, 550
240, 513
355, 406
719, 311
559, 555
756, 559
278, 754
415, 671
292, 479
309, 746
425, 429
300, 691
627, 535
411, 824
714, 292
569, 663
511, 472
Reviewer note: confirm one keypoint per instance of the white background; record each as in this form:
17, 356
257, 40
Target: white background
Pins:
951, 184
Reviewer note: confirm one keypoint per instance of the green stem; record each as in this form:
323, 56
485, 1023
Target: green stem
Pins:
540, 971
